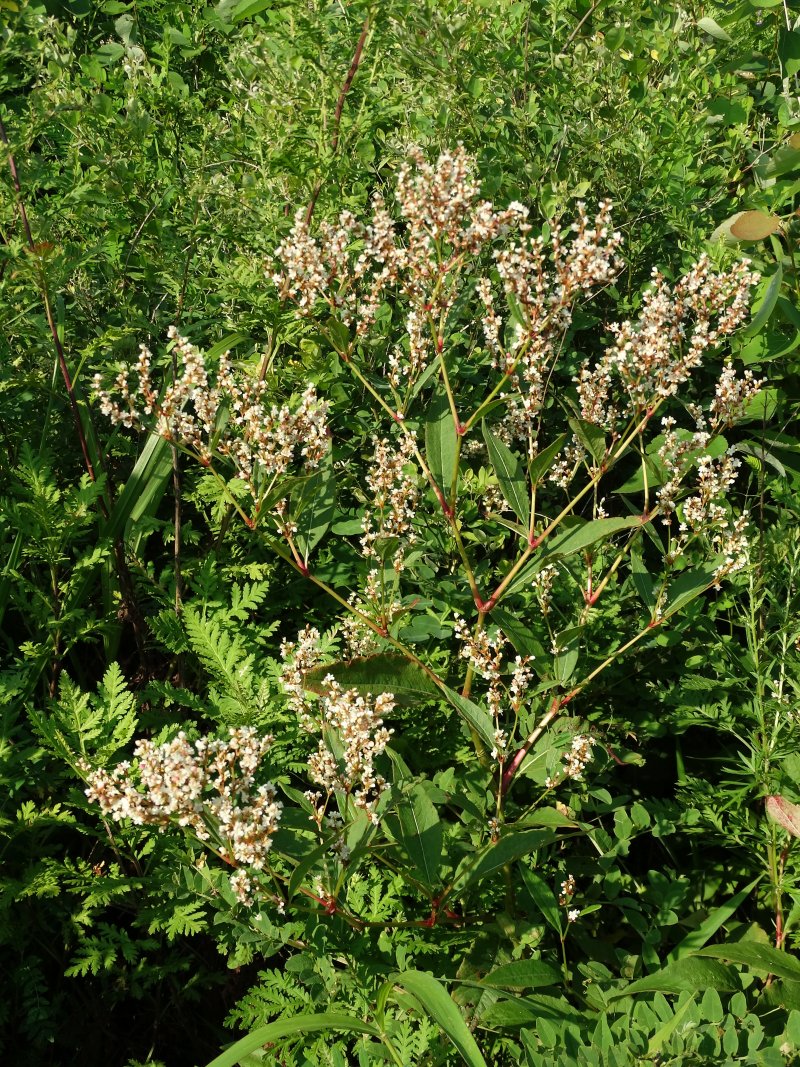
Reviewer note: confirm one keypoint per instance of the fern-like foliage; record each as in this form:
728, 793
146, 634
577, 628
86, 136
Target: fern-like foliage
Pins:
83, 726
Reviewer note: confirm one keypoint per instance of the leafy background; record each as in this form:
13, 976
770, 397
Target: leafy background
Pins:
162, 149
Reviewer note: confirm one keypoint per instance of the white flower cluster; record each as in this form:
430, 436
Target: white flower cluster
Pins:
349, 726
703, 514
575, 759
543, 278
357, 722
299, 657
375, 602
654, 356
568, 887
350, 266
542, 583
485, 653
229, 416
394, 499
208, 786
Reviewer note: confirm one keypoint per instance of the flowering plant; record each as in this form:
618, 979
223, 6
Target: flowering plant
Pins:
511, 486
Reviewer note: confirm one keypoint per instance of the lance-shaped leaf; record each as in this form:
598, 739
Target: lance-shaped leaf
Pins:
299, 1026
524, 974
434, 999
510, 476
509, 848
418, 828
441, 442
313, 508
545, 459
756, 956
385, 672
765, 303
593, 438
691, 975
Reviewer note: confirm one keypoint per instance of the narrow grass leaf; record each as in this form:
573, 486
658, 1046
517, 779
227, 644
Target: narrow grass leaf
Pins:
434, 999
299, 1026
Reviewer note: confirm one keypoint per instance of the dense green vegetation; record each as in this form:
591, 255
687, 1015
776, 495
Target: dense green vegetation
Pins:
399, 652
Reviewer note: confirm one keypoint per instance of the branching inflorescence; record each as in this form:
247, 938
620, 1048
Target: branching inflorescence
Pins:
349, 726
207, 786
227, 415
421, 275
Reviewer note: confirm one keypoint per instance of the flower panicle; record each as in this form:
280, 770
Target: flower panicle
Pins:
208, 786
227, 414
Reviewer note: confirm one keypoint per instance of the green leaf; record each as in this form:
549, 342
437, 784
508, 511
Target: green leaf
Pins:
441, 442
511, 847
142, 491
580, 536
306, 864
593, 438
299, 1026
687, 586
713, 29
248, 8
510, 476
434, 999
568, 643
385, 672
476, 717
690, 975
765, 303
313, 508
524, 974
642, 582
697, 938
518, 631
545, 459
757, 957
663, 1034
782, 161
418, 828
543, 897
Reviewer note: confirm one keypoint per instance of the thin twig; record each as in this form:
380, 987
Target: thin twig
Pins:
337, 118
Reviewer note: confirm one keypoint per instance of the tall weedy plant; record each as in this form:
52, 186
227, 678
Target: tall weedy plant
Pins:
484, 499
